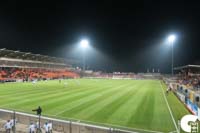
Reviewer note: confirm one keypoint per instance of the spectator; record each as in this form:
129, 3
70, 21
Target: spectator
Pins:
12, 123
46, 128
32, 128
50, 127
7, 126
37, 125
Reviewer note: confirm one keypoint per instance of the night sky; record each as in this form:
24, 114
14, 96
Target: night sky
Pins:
124, 36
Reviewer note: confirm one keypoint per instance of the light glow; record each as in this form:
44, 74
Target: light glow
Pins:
84, 43
171, 38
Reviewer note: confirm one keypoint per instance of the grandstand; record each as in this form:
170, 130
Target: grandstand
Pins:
188, 86
16, 65
10, 58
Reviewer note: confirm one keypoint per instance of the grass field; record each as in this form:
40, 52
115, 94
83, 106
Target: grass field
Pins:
134, 104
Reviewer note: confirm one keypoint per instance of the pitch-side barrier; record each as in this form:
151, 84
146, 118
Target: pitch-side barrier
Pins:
64, 126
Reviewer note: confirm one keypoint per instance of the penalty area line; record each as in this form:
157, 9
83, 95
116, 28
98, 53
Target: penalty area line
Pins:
170, 111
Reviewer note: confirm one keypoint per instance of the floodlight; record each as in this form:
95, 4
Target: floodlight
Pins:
171, 38
84, 43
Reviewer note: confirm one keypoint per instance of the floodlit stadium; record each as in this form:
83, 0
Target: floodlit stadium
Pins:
104, 66
104, 102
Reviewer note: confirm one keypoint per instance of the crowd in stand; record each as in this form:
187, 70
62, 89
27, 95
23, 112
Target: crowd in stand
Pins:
12, 74
190, 81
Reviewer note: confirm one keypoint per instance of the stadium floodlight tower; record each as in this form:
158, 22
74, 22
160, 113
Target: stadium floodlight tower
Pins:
84, 45
171, 39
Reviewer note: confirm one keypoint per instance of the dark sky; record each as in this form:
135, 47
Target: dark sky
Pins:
125, 36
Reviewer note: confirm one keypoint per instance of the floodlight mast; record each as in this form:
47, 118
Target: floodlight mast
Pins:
171, 40
84, 44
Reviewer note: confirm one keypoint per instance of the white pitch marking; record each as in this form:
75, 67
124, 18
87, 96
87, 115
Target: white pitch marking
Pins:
170, 111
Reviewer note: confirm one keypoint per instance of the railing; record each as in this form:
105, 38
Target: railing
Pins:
61, 126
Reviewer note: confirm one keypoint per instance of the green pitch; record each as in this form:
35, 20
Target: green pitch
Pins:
134, 104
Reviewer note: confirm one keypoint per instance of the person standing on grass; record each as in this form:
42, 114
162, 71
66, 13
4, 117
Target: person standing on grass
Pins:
167, 91
7, 126
38, 110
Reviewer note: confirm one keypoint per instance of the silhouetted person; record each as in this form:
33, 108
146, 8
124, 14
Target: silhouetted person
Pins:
38, 110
